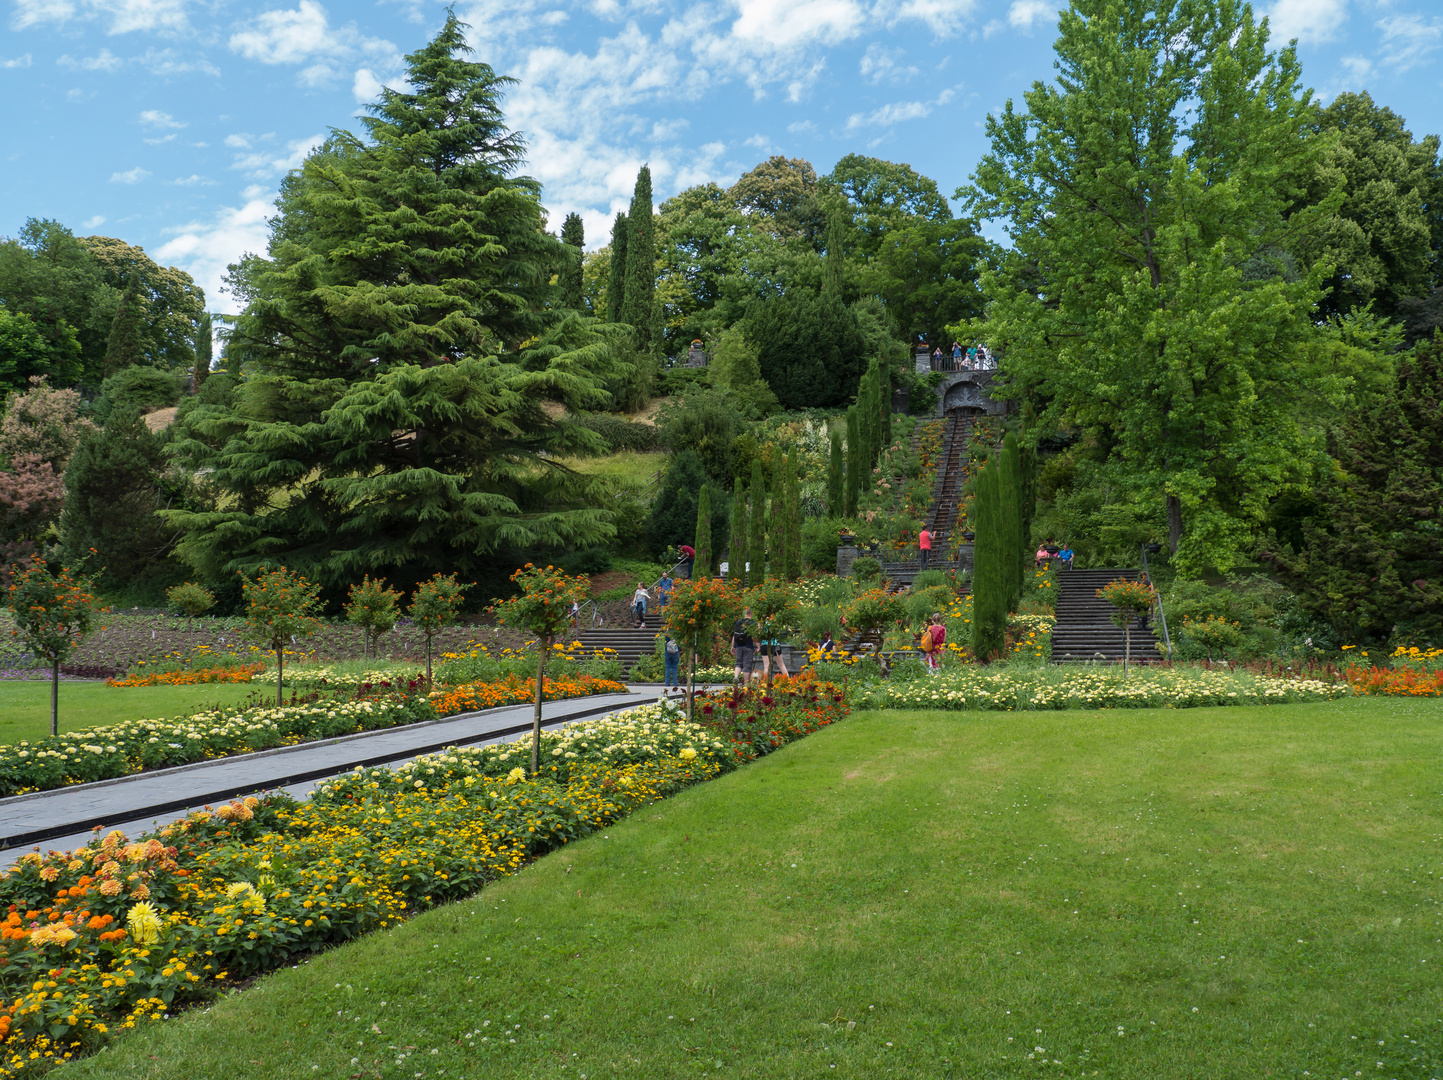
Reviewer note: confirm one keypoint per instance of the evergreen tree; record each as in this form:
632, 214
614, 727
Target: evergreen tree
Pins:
703, 533
884, 402
573, 234
204, 348
777, 523
126, 344
794, 521
114, 484
833, 263
616, 282
989, 574
758, 543
641, 263
393, 416
739, 524
836, 476
672, 520
854, 462
1014, 545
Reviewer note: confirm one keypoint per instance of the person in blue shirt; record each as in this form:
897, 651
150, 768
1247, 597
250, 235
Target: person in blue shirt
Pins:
663, 591
1066, 556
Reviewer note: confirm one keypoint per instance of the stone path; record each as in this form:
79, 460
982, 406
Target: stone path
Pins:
65, 818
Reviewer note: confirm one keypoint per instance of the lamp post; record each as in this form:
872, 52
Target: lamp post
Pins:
1162, 615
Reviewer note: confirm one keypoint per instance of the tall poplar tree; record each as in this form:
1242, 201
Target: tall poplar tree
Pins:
854, 461
1148, 193
836, 476
616, 282
1014, 545
392, 417
777, 522
989, 575
758, 543
739, 524
640, 262
794, 521
573, 234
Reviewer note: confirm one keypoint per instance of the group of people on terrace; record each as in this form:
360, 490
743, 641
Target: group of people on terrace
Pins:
974, 357
1049, 551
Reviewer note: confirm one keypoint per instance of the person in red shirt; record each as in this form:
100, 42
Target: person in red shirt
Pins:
924, 546
689, 554
938, 634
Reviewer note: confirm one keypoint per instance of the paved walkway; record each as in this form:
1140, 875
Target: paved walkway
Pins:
64, 818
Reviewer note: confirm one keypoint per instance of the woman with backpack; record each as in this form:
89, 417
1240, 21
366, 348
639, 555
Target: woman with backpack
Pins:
933, 638
671, 653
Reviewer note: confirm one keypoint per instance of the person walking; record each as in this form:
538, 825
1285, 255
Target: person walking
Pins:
742, 646
638, 604
663, 591
936, 635
671, 653
771, 649
924, 547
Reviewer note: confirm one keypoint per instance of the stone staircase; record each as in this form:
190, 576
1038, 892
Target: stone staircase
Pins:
628, 645
1084, 632
951, 476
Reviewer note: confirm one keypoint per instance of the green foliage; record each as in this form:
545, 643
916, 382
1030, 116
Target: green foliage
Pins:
866, 569
374, 608
139, 388
991, 577
931, 579
1016, 553
1213, 633
758, 537
872, 610
116, 484
25, 350
673, 518
280, 608
1371, 558
53, 614
706, 423
793, 489
435, 605
836, 476
854, 463
573, 234
190, 599
620, 434
738, 556
809, 347
43, 421
1138, 190
777, 531
819, 544
641, 264
702, 543
616, 280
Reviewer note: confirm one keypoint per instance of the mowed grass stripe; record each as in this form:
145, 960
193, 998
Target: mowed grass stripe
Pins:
1199, 893
25, 704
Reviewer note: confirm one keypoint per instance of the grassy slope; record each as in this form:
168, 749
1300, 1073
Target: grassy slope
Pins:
631, 468
1201, 893
25, 705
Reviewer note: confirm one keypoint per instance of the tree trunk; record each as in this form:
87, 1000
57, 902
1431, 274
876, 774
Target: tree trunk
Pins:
280, 665
1174, 523
1126, 643
544, 645
55, 698
691, 683
429, 685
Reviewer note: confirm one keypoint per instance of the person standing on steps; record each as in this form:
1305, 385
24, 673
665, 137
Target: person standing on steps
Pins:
638, 604
924, 547
671, 653
688, 554
663, 591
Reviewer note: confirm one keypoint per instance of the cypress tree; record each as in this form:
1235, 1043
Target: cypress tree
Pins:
884, 402
777, 522
703, 533
1015, 545
836, 476
616, 283
989, 585
573, 234
640, 263
832, 264
739, 524
794, 521
204, 348
854, 461
867, 423
758, 543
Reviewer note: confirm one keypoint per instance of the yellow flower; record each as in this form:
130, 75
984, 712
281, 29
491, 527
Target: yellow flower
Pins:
144, 923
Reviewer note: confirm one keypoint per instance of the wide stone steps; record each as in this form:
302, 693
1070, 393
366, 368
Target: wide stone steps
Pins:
1084, 631
628, 645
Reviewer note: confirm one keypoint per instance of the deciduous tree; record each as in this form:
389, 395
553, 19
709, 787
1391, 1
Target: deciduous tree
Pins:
280, 608
53, 614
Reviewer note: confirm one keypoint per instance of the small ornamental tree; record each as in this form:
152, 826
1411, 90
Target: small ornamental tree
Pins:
190, 600
1214, 632
541, 607
375, 609
774, 605
697, 609
873, 611
53, 614
434, 606
1129, 598
280, 607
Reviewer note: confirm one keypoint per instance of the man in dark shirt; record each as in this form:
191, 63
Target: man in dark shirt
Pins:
742, 646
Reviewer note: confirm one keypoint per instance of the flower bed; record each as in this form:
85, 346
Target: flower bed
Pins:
1096, 688
515, 690
102, 753
1397, 682
190, 676
116, 934
342, 680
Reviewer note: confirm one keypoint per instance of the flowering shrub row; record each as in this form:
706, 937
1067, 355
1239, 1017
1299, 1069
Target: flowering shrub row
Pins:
1395, 681
190, 676
514, 690
101, 753
1096, 688
343, 680
114, 934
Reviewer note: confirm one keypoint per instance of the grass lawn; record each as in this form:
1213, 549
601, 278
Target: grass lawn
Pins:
1229, 893
25, 704
632, 468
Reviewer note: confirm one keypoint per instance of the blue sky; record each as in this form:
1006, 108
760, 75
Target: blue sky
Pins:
168, 123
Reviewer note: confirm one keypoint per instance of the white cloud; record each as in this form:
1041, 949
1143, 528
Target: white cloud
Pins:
801, 127
168, 62
1023, 14
193, 180
105, 61
94, 222
993, 27
18, 62
125, 16
1407, 39
942, 17
204, 249
262, 164
161, 139
238, 142
1310, 21
897, 113
365, 87
131, 176
883, 64
294, 37
157, 119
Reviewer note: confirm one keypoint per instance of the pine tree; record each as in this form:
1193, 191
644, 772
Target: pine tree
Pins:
616, 282
836, 476
703, 533
393, 417
854, 461
739, 534
640, 263
989, 584
758, 543
126, 344
573, 234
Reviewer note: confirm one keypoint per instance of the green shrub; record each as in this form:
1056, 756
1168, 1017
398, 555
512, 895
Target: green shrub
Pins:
929, 578
819, 543
866, 569
621, 434
141, 388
